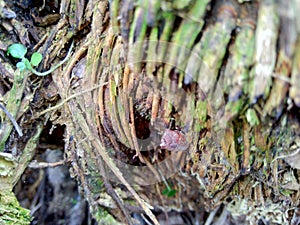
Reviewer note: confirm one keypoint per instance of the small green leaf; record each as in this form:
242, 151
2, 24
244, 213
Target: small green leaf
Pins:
172, 193
17, 51
21, 65
165, 191
36, 58
169, 192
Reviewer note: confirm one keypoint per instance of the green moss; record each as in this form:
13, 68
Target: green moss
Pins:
10, 210
104, 218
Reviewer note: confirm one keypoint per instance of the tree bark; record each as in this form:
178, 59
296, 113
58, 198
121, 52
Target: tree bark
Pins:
192, 107
181, 105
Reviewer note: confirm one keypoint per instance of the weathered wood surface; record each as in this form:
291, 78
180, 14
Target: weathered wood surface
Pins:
218, 81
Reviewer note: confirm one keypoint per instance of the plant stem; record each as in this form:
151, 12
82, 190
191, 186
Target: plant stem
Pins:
12, 119
54, 67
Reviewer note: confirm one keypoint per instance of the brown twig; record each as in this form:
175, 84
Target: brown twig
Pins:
67, 99
41, 165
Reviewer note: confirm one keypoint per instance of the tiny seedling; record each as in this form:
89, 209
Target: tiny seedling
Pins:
168, 191
19, 51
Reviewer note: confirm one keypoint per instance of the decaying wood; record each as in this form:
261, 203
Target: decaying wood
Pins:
107, 122
180, 104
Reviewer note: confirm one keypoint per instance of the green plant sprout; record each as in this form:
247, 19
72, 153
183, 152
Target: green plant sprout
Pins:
19, 51
168, 191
